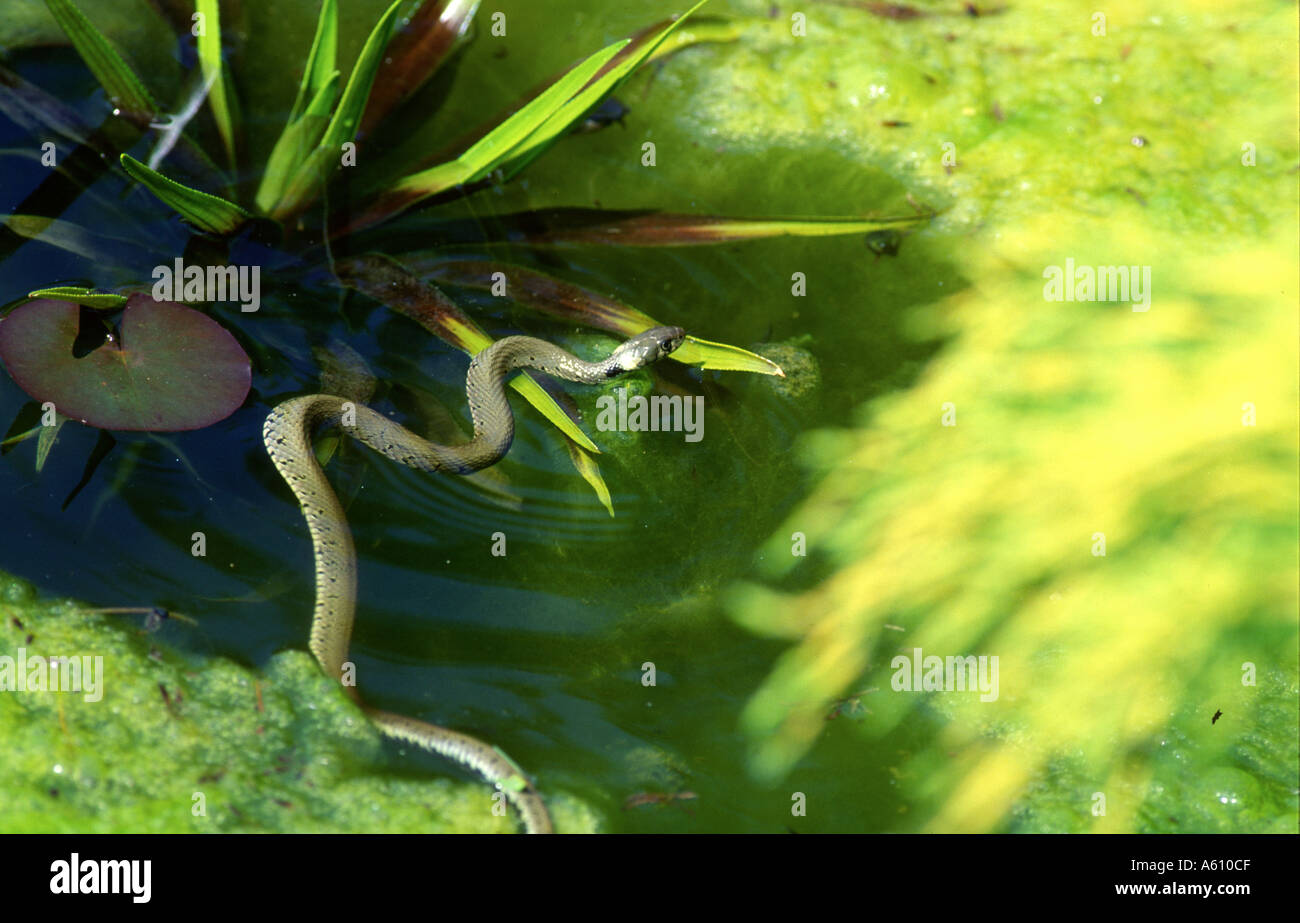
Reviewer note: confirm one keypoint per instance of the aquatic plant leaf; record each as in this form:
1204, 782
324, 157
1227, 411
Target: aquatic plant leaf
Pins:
416, 53
606, 80
201, 209
388, 282
590, 471
314, 171
172, 368
549, 295
321, 59
220, 92
661, 229
119, 82
295, 143
490, 150
71, 237
45, 441
77, 294
695, 30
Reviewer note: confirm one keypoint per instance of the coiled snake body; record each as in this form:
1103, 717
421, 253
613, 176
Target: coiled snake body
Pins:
288, 432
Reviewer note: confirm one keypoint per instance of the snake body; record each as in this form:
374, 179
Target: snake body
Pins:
288, 432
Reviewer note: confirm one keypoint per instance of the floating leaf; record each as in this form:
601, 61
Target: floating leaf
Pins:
207, 212
172, 368
105, 301
570, 302
121, 85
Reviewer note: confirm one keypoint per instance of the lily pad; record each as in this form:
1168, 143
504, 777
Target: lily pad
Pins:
171, 368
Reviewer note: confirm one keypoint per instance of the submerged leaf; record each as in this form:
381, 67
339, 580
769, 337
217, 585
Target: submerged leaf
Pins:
172, 368
45, 441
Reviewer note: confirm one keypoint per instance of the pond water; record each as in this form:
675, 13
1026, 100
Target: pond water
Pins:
540, 651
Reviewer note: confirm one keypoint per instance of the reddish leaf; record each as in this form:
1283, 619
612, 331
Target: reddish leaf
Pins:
172, 368
415, 54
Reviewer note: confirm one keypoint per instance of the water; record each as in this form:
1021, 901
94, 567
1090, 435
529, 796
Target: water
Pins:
542, 650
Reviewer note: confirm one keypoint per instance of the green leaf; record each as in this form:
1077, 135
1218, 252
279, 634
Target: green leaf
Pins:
45, 441
632, 53
590, 471
66, 235
314, 171
297, 141
723, 357
505, 140
220, 95
104, 301
207, 212
566, 301
122, 86
389, 283
491, 150
320, 68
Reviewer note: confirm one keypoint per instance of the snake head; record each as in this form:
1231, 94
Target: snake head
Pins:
644, 348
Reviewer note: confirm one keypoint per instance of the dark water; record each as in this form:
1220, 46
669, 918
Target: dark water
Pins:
539, 651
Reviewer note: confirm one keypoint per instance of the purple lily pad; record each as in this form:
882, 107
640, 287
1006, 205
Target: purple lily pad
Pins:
171, 369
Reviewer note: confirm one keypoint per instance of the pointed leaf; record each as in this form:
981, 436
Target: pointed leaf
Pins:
45, 441
320, 66
118, 81
388, 282
590, 471
570, 302
204, 211
416, 53
104, 301
490, 151
294, 145
631, 54
660, 229
314, 171
220, 95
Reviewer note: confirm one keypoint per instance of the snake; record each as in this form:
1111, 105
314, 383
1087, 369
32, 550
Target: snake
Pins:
287, 434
